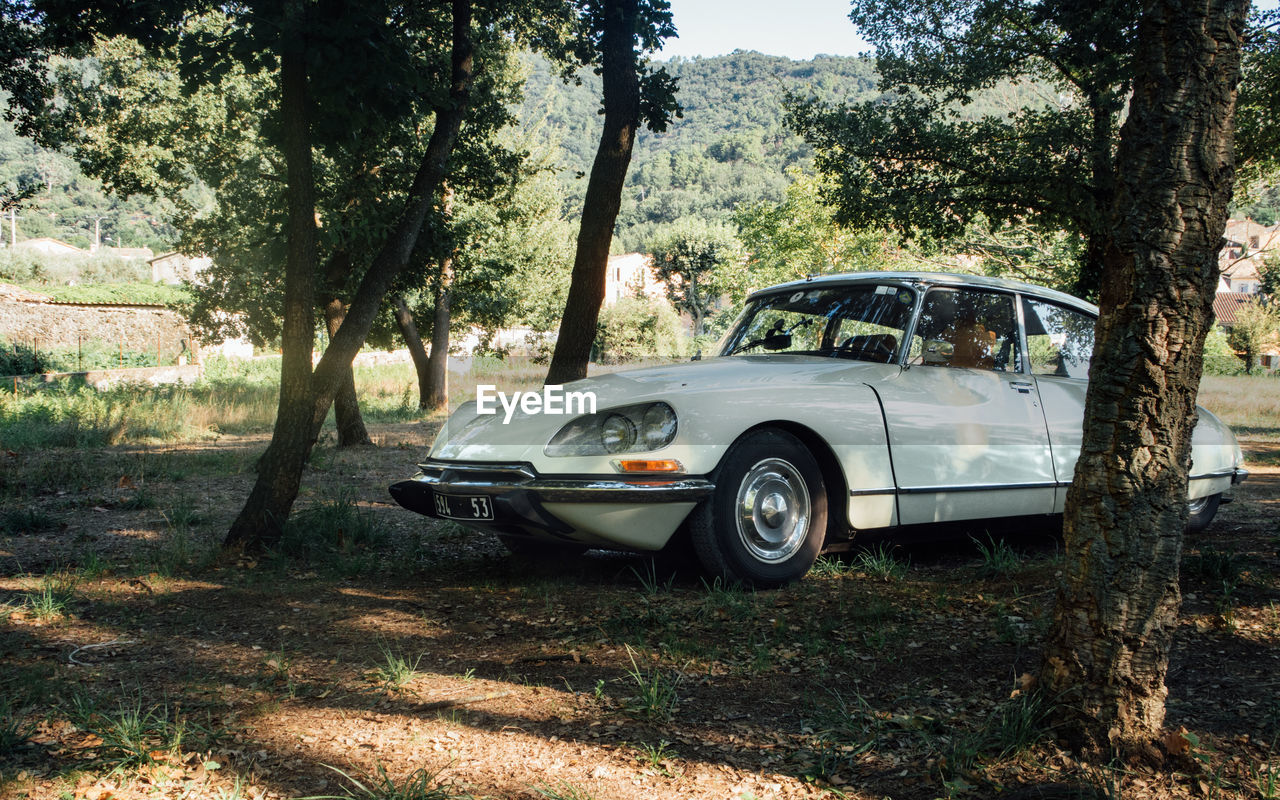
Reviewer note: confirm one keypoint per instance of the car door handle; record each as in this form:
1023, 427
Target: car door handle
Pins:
1022, 387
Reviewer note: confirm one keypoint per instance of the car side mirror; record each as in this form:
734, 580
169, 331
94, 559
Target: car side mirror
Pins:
776, 341
937, 352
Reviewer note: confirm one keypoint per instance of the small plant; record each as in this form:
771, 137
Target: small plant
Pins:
1010, 729
648, 577
420, 784
397, 669
1212, 566
132, 735
21, 521
656, 756
564, 791
13, 731
998, 558
1227, 603
140, 500
184, 515
828, 567
53, 599
657, 692
879, 562
335, 532
1266, 777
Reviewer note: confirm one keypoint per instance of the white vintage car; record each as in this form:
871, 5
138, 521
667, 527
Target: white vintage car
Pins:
837, 405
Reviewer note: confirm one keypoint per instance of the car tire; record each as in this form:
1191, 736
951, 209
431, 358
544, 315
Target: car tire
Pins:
1202, 511
540, 549
764, 524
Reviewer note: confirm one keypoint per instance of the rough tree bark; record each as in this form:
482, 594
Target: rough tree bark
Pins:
621, 85
346, 406
435, 392
1108, 649
291, 439
261, 521
413, 341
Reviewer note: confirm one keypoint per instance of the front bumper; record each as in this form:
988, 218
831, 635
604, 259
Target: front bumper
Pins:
519, 495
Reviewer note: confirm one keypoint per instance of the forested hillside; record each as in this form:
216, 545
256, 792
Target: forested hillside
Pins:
66, 204
731, 147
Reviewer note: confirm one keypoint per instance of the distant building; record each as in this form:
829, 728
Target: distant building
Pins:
1247, 244
49, 247
631, 275
176, 268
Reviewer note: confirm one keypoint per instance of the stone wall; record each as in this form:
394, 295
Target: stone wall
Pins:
47, 326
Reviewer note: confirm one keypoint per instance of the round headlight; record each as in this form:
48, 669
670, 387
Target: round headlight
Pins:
658, 427
617, 433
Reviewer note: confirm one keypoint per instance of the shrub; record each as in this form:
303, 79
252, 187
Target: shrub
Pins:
635, 328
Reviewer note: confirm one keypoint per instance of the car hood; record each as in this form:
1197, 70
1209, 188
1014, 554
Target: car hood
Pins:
501, 437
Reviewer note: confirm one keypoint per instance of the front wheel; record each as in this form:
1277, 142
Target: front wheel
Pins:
765, 522
1202, 511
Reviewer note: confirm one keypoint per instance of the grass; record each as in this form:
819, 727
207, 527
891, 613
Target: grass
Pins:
132, 734
1010, 729
334, 532
880, 563
20, 521
998, 558
53, 598
657, 693
396, 668
421, 784
14, 732
562, 791
654, 756
1212, 566
1246, 403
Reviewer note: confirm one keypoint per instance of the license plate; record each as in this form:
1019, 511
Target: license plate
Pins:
453, 506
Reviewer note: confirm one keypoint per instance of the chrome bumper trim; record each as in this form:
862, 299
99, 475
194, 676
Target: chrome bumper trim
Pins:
496, 479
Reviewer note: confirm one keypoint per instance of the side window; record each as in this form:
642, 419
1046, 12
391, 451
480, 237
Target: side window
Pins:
1059, 341
967, 328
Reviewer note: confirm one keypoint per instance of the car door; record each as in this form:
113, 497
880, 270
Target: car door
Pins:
1059, 346
966, 432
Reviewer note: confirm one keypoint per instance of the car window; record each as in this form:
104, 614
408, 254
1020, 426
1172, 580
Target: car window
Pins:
967, 328
862, 322
1059, 340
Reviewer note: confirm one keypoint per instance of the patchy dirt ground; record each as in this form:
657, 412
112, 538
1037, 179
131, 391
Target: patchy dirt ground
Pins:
136, 663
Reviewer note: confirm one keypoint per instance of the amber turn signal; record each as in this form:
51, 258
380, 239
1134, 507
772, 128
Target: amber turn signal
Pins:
639, 465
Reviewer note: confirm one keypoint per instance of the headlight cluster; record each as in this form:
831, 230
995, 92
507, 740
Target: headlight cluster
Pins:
629, 429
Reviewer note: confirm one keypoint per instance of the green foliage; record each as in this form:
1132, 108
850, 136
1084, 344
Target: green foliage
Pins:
633, 329
336, 532
52, 274
23, 358
563, 791
133, 734
657, 692
19, 521
1219, 358
692, 258
14, 731
1256, 326
142, 293
53, 598
920, 158
998, 558
396, 668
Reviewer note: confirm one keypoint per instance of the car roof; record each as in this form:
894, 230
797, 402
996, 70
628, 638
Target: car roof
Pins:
925, 279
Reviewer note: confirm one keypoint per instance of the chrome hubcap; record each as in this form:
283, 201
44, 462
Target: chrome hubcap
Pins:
773, 510
1197, 505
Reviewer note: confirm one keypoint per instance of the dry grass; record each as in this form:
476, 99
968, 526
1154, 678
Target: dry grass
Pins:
1249, 404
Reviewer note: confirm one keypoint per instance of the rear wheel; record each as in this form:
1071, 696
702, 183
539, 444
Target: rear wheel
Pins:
1202, 511
765, 522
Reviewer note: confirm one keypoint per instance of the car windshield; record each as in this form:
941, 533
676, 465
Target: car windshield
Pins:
863, 322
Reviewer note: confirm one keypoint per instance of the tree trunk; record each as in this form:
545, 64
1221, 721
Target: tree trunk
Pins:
413, 341
435, 395
280, 473
346, 405
621, 84
1108, 649
435, 392
260, 521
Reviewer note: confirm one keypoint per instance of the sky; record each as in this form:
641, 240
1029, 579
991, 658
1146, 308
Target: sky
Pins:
798, 29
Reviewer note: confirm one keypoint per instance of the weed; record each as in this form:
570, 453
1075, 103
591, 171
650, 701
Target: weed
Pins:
92, 566
132, 735
564, 791
828, 567
657, 692
1212, 566
729, 601
138, 501
420, 784
276, 668
648, 577
334, 532
54, 597
26, 520
184, 515
1266, 777
1011, 728
1227, 603
879, 562
998, 558
13, 731
656, 756
847, 730
397, 669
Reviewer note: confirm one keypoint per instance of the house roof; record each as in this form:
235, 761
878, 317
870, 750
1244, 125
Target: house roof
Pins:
46, 240
1227, 304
